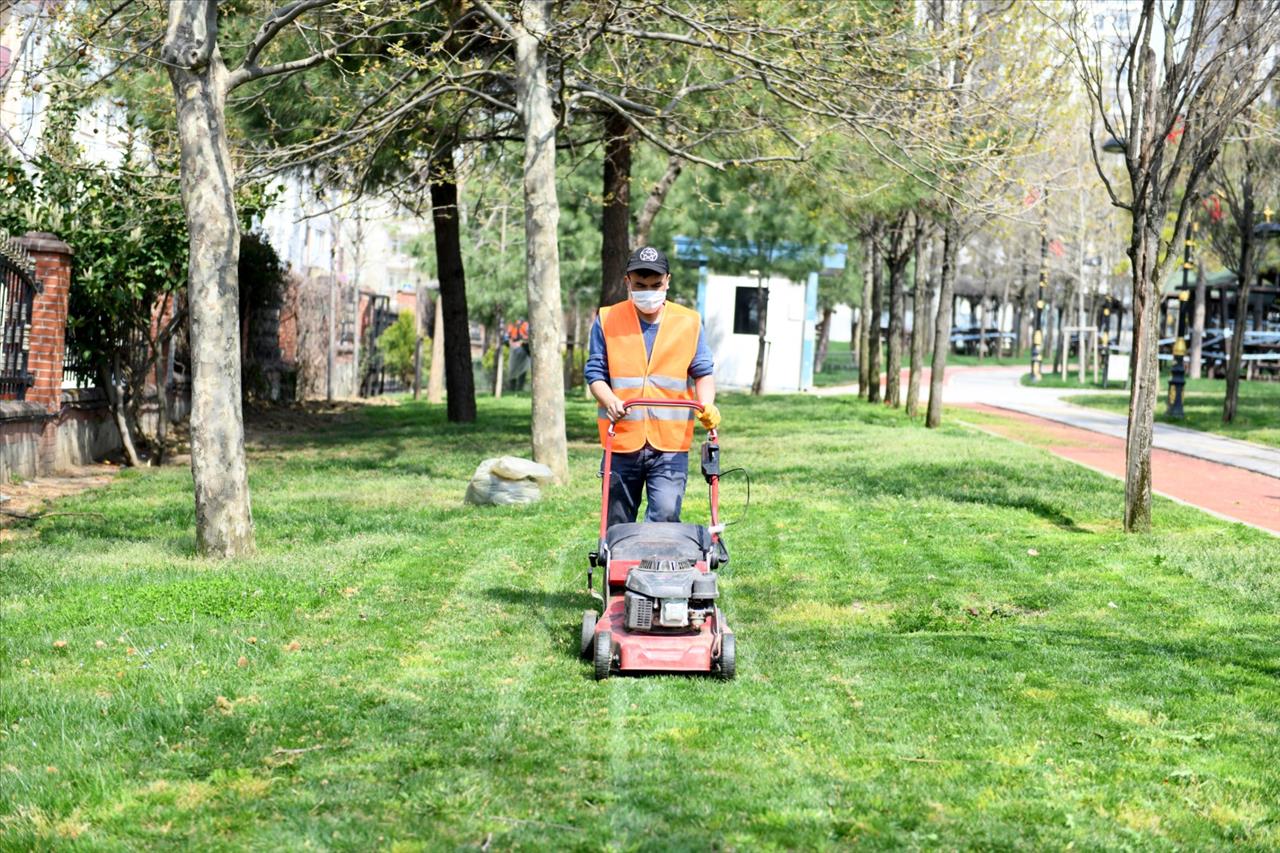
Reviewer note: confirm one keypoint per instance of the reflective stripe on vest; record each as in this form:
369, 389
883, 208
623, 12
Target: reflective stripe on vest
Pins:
664, 376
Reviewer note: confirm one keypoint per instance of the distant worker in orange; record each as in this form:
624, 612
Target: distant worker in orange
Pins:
517, 336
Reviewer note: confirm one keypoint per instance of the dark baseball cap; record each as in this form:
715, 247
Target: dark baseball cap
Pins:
648, 258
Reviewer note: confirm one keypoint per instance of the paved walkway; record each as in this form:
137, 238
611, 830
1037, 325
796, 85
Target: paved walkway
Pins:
1226, 491
1236, 480
1001, 387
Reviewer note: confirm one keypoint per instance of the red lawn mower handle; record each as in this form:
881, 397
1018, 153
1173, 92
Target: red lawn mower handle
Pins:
645, 401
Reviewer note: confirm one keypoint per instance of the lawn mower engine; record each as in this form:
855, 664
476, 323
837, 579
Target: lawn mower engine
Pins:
668, 596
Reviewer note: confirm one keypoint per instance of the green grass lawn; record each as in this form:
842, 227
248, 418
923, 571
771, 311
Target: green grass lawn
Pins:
1055, 380
944, 641
839, 368
838, 372
1257, 414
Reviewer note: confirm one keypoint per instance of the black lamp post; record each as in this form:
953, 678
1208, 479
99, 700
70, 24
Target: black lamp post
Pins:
1109, 303
1268, 228
1178, 376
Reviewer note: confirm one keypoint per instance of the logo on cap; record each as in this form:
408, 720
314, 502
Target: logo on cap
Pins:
648, 254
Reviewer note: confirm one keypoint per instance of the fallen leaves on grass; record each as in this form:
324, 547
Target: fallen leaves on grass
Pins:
242, 662
59, 644
293, 646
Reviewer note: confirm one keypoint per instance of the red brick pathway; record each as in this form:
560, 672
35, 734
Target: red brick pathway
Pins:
1224, 490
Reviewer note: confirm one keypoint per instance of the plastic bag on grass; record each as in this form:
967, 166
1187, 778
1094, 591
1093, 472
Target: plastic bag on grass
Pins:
515, 468
506, 480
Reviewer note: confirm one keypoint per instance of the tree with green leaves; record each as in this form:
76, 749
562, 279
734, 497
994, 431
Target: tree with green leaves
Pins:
1179, 97
128, 237
1244, 177
398, 345
755, 222
996, 86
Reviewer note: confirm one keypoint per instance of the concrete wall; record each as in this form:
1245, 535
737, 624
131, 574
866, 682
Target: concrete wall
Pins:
21, 432
34, 443
86, 432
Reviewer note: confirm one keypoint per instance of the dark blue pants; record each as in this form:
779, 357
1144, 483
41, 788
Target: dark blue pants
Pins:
662, 475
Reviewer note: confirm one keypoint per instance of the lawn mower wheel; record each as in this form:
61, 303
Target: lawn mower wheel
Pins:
728, 658
588, 631
604, 654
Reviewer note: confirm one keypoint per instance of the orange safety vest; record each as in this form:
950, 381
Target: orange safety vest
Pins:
664, 376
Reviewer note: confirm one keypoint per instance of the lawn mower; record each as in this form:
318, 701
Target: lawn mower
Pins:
658, 607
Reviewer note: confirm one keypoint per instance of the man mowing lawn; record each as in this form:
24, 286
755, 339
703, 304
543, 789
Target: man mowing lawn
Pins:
647, 347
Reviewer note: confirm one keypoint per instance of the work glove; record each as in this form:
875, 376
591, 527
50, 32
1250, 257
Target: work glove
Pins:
709, 417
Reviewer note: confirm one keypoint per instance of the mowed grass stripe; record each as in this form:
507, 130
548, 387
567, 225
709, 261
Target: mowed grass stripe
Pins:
911, 674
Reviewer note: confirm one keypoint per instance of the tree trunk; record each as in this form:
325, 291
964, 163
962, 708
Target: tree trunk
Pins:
936, 295
762, 312
1020, 327
224, 521
1238, 328
1144, 376
417, 366
162, 419
116, 405
460, 386
855, 343
435, 379
897, 307
824, 340
873, 321
1197, 320
981, 316
864, 325
942, 328
615, 218
653, 204
1000, 308
497, 357
542, 253
920, 300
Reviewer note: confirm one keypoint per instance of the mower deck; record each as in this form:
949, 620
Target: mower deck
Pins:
647, 652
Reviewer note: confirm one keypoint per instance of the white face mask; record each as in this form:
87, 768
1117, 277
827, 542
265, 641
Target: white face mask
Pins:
648, 301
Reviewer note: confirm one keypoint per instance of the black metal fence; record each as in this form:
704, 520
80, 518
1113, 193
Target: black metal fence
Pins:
77, 372
17, 293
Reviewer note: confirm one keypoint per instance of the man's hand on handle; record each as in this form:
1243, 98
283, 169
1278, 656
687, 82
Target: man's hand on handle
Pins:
709, 417
616, 408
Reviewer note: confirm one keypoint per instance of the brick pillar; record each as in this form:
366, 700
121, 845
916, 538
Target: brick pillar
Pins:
48, 317
48, 336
